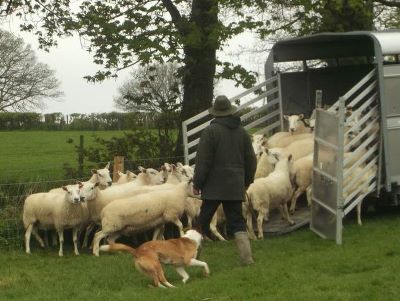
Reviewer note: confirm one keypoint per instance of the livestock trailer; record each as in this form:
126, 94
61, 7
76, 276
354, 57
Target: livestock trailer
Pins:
329, 72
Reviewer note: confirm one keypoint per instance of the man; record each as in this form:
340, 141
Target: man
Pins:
225, 167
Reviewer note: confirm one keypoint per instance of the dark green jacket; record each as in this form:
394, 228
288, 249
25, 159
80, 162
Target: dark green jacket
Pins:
225, 160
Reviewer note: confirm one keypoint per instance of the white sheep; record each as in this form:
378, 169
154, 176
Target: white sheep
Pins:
54, 211
148, 176
301, 171
285, 141
192, 210
257, 141
143, 212
302, 177
298, 149
186, 170
264, 166
101, 176
218, 219
358, 185
296, 126
125, 177
270, 192
100, 198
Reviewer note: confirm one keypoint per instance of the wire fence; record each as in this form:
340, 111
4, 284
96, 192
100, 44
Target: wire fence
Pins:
13, 194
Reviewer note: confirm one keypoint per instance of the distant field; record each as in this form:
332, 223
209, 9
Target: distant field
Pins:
30, 155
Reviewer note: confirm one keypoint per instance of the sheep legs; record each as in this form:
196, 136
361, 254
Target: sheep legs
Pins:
87, 233
37, 236
159, 232
296, 195
189, 222
250, 229
28, 233
260, 220
285, 211
61, 238
178, 223
213, 227
359, 213
96, 242
75, 239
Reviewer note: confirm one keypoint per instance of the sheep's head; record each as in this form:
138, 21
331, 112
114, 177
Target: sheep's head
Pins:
185, 171
274, 155
72, 193
103, 175
126, 177
88, 190
258, 141
131, 176
152, 176
294, 121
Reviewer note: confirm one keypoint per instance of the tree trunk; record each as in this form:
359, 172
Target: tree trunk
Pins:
200, 63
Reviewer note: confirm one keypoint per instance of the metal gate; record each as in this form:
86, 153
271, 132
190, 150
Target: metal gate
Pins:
347, 157
260, 108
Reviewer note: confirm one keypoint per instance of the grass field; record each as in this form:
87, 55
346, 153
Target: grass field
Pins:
298, 266
30, 155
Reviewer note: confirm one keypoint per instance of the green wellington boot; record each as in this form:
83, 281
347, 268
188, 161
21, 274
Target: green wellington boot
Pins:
243, 245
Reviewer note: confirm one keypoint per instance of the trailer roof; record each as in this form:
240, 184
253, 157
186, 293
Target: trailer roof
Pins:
332, 45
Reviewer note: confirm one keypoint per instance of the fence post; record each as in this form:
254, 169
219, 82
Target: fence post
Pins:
117, 166
80, 156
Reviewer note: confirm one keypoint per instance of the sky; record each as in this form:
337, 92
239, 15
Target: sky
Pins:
71, 63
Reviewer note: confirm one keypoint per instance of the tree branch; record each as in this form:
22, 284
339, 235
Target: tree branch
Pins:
175, 15
395, 3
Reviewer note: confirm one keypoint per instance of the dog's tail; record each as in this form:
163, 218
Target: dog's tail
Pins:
118, 247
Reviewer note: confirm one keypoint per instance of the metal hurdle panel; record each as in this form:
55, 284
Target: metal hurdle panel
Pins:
347, 157
265, 115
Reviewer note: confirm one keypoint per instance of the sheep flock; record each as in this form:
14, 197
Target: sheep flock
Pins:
150, 198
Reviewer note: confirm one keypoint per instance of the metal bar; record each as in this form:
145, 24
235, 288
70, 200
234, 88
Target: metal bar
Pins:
250, 102
364, 93
360, 161
362, 107
198, 128
193, 143
205, 113
354, 89
192, 155
264, 83
391, 75
280, 101
339, 171
319, 202
185, 143
363, 146
360, 198
268, 128
325, 143
325, 174
373, 111
262, 119
258, 110
359, 176
360, 135
197, 117
359, 189
318, 232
